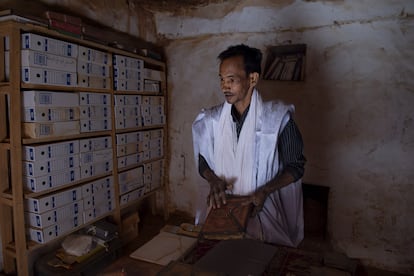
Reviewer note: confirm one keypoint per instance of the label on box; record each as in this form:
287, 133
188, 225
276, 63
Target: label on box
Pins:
51, 99
49, 129
95, 156
31, 58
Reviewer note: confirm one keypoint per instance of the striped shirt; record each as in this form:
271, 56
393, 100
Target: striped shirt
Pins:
290, 146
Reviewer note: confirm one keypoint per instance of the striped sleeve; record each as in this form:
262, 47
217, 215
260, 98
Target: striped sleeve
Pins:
291, 150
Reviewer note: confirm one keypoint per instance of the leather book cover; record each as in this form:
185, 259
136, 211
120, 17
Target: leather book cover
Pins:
229, 221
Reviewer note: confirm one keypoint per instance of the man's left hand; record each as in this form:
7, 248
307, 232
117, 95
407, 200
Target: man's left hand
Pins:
258, 199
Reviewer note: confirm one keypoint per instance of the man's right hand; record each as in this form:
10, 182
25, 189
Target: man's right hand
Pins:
217, 195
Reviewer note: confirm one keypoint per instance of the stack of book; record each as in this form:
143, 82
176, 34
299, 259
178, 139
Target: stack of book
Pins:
67, 24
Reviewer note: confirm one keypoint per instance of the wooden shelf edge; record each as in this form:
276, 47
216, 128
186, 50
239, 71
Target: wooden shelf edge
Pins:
118, 131
30, 194
27, 141
6, 201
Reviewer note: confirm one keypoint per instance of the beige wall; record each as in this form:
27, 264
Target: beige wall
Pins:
355, 108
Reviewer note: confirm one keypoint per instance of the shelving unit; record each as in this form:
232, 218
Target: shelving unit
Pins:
285, 63
149, 152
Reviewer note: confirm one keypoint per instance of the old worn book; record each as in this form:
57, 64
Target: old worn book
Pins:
229, 221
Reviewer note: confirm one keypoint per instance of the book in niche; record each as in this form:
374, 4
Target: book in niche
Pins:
229, 221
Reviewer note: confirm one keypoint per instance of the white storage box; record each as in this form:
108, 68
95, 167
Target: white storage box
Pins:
94, 82
86, 98
50, 166
130, 62
95, 144
95, 112
45, 152
96, 169
50, 129
36, 75
49, 45
93, 55
134, 100
54, 231
46, 203
95, 156
34, 98
92, 69
96, 186
132, 196
153, 74
44, 183
95, 125
50, 114
30, 58
58, 215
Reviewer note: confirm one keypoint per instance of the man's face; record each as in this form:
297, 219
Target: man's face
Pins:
234, 83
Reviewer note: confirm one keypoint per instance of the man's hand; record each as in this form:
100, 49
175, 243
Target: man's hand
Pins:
217, 195
258, 199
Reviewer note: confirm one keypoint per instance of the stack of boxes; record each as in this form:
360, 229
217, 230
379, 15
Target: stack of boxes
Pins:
93, 68
128, 73
153, 175
47, 167
152, 110
50, 166
127, 111
98, 198
54, 208
95, 156
50, 114
134, 148
51, 216
131, 185
48, 61
95, 112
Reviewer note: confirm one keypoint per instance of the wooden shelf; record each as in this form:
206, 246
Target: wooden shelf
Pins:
13, 226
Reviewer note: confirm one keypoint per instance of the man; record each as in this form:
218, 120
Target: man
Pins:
249, 147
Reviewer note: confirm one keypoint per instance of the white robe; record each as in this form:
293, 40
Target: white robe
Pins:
251, 162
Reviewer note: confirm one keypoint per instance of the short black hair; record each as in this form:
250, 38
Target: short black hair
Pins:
252, 57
